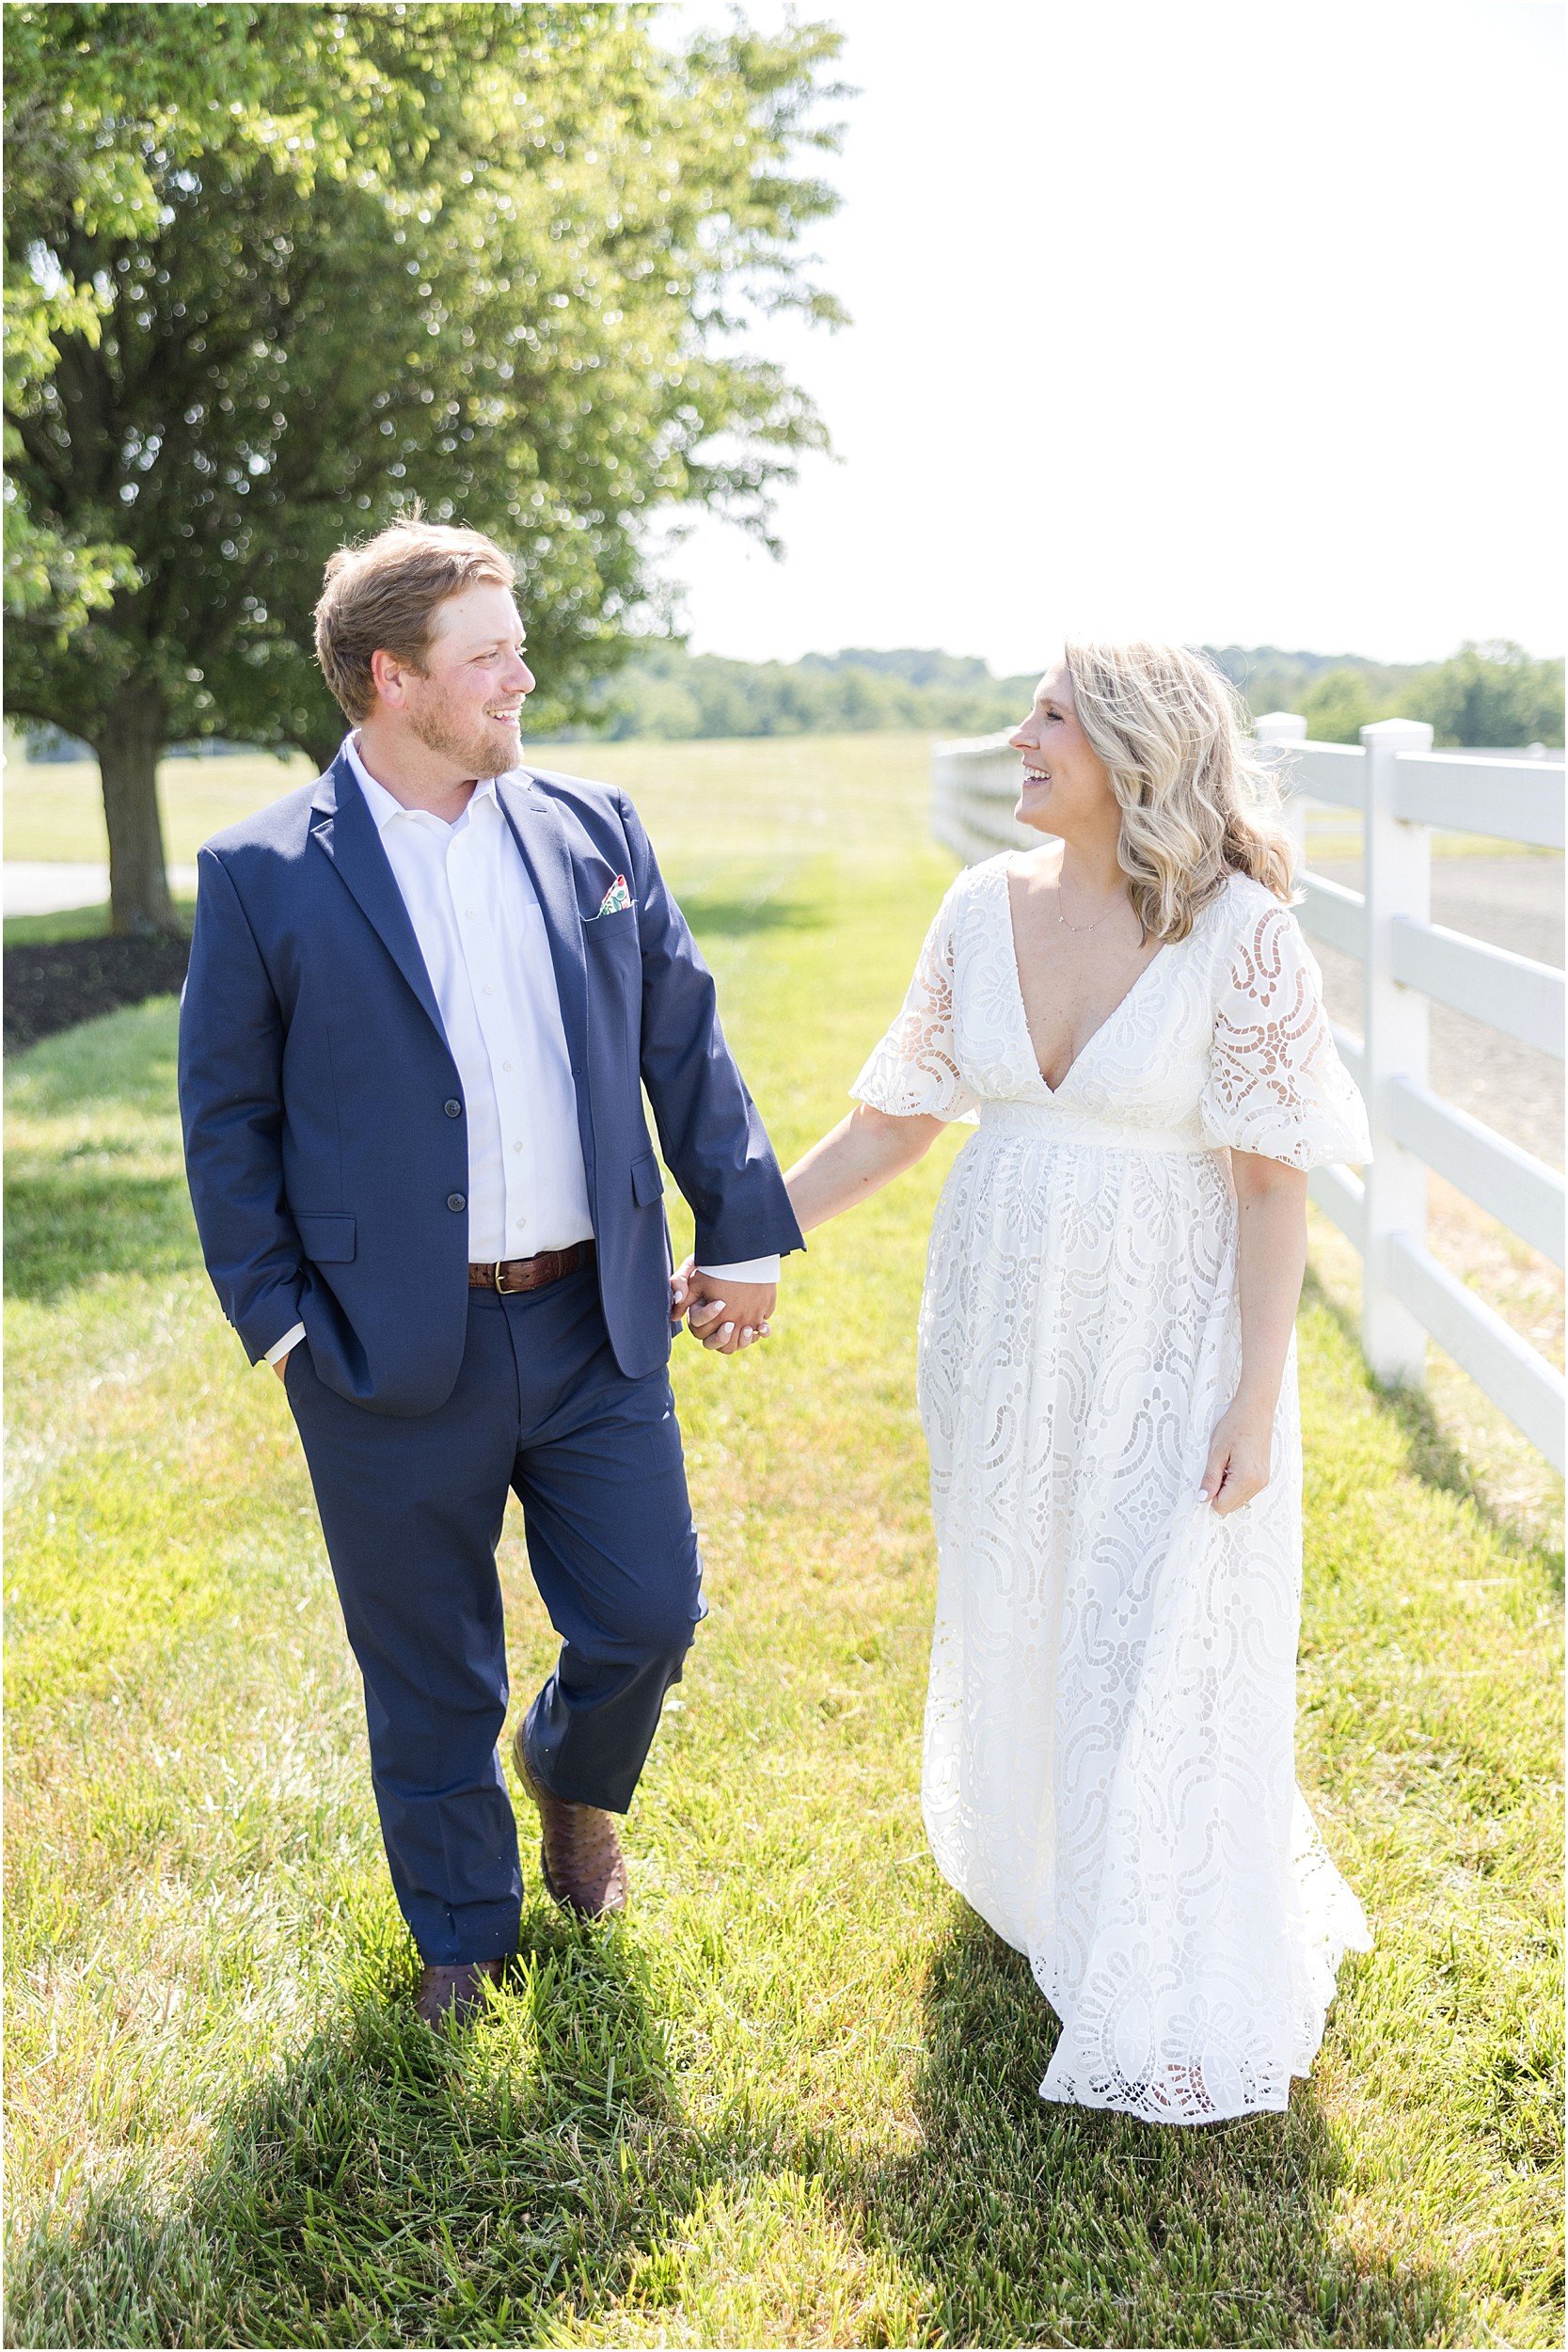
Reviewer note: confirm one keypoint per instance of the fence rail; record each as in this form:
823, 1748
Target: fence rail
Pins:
1402, 789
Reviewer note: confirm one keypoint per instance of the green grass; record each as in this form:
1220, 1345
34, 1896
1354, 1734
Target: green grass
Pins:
55, 810
799, 783
792, 2099
40, 931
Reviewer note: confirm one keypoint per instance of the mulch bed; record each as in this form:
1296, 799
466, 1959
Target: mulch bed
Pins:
52, 987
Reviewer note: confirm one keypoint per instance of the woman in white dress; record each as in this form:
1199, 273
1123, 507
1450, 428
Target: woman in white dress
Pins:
1107, 1383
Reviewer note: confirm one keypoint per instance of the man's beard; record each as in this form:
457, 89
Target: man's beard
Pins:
484, 747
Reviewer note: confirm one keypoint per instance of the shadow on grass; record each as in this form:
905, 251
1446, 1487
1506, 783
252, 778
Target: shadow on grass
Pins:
124, 1060
391, 2186
387, 2188
1431, 1454
64, 1230
33, 930
730, 916
1037, 2223
94, 1183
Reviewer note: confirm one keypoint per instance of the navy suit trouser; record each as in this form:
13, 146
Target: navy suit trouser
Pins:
412, 1509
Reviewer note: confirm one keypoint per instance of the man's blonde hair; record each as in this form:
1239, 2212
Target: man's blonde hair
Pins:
383, 594
1197, 803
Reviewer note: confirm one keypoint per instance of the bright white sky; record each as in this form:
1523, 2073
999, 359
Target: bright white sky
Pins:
1224, 323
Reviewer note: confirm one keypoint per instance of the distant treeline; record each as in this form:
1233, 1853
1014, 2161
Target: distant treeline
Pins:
1492, 694
668, 693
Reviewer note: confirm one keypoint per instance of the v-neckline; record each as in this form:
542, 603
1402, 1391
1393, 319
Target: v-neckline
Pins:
1094, 1035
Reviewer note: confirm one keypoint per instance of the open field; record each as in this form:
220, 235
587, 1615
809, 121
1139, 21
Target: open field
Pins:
793, 787
54, 809
792, 2099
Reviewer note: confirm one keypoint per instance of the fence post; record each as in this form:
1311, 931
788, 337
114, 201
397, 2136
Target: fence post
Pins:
1276, 729
1397, 872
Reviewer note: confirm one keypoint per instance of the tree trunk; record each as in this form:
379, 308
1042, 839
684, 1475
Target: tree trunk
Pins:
140, 901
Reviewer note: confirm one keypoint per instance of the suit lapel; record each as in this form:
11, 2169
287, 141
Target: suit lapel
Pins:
544, 848
346, 831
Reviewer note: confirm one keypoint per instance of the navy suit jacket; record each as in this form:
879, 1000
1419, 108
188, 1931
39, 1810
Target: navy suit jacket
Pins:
327, 1162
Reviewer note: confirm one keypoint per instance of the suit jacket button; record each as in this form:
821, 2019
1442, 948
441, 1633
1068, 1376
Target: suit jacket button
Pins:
456, 1200
453, 1109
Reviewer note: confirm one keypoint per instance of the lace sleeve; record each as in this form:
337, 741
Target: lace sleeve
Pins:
1276, 1085
914, 1072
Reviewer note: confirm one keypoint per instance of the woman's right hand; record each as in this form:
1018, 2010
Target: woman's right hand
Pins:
1239, 1457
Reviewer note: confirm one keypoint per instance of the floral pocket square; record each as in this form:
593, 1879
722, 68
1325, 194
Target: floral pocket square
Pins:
616, 898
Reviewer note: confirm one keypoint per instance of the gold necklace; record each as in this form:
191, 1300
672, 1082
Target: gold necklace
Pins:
1081, 930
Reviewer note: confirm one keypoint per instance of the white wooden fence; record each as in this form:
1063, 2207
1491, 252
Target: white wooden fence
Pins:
1401, 789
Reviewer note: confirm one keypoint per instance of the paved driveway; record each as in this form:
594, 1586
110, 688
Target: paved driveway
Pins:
44, 887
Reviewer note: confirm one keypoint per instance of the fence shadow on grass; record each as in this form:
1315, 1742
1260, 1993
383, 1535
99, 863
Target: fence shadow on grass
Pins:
1431, 1454
1034, 2223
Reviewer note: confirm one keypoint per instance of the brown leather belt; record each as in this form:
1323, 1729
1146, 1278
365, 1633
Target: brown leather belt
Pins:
508, 1275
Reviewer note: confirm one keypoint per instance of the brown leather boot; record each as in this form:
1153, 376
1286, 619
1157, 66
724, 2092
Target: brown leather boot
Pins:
451, 1995
579, 1853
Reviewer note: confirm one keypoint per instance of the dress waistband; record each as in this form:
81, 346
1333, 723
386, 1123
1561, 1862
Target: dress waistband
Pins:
1054, 1122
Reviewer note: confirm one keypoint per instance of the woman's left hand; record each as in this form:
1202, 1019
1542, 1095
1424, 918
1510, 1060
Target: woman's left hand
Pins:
1238, 1464
724, 1326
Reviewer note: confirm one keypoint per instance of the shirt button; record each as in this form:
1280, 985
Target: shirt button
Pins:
453, 1109
456, 1200
517, 1147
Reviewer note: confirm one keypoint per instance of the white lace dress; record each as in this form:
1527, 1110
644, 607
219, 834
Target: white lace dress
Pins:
1110, 1767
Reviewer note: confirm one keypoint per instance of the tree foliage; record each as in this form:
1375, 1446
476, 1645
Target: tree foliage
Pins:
667, 693
1490, 695
74, 75
1494, 693
1484, 694
312, 265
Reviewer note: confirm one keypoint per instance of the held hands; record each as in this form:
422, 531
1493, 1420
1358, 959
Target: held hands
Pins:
726, 1316
1239, 1452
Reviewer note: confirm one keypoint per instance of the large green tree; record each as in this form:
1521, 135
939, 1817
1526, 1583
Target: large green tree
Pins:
1494, 692
498, 258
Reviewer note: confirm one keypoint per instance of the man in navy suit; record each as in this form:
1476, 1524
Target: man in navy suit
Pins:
425, 996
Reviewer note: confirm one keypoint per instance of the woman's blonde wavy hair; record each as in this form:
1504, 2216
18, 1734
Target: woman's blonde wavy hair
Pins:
1197, 802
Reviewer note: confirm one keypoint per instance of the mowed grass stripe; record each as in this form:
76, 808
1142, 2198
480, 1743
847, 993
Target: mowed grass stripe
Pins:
793, 2099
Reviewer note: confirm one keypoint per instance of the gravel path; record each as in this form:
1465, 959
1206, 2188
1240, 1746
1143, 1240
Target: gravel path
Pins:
1513, 903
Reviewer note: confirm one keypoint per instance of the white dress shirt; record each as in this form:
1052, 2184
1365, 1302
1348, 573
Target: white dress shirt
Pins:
482, 933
